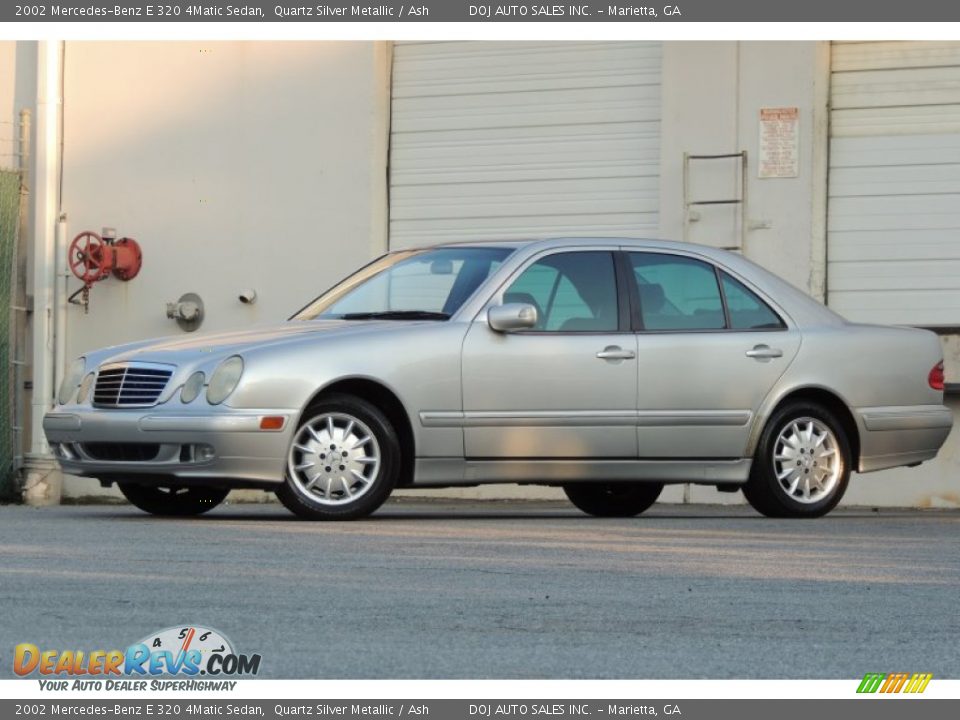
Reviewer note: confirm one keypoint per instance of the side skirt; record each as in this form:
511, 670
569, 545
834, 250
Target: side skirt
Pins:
445, 472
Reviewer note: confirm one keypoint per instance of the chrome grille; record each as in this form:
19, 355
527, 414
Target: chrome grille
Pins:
130, 384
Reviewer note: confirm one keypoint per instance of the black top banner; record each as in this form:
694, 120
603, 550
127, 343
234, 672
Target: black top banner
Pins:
479, 11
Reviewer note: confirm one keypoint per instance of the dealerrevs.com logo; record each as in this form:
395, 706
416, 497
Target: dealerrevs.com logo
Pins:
182, 651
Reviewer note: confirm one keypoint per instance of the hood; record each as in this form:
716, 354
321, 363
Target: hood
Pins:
178, 349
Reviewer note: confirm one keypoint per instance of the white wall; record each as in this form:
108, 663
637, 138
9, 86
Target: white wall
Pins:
234, 165
712, 96
699, 117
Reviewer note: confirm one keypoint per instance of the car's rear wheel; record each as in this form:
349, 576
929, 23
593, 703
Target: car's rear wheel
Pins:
343, 461
614, 499
802, 464
173, 501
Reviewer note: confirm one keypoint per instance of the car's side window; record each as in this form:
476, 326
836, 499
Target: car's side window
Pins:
572, 292
746, 310
677, 292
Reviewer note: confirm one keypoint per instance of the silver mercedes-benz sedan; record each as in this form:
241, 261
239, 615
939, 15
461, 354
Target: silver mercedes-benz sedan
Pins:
608, 367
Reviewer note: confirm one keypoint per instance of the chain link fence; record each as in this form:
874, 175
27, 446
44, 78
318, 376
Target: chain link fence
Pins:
9, 223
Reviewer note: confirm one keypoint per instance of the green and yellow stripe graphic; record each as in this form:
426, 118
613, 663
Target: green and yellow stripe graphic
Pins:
894, 682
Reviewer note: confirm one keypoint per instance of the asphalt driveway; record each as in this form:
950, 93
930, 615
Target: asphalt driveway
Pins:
498, 590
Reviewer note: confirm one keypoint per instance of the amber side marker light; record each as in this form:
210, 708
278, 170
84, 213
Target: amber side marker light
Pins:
271, 422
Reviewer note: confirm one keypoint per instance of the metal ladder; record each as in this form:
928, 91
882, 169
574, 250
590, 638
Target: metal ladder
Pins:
691, 215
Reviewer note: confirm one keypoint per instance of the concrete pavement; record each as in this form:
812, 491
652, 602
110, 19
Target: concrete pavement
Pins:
498, 590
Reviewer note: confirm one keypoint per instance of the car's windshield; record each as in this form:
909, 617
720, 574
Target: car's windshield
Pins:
409, 285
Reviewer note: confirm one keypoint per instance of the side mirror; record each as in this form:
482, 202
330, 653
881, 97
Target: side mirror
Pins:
512, 316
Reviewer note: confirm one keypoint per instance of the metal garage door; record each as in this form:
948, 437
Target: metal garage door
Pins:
511, 140
894, 208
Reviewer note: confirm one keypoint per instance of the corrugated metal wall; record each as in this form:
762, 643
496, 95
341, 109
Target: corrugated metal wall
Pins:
894, 206
507, 140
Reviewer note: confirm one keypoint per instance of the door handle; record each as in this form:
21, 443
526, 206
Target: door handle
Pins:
615, 352
764, 352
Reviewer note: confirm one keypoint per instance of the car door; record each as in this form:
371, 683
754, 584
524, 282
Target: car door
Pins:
566, 388
709, 350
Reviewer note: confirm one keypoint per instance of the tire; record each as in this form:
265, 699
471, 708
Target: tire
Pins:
803, 481
616, 499
343, 461
173, 501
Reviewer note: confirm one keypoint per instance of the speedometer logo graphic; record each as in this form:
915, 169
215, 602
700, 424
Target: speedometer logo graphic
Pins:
199, 641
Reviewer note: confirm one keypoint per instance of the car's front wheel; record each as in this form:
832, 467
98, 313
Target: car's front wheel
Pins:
615, 499
173, 501
343, 461
802, 464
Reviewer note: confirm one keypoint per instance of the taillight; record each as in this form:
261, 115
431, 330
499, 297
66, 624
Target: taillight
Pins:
935, 378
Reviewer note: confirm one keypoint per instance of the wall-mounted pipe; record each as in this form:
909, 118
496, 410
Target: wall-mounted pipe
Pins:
60, 303
46, 207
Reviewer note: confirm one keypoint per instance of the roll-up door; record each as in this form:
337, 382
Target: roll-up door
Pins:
894, 187
499, 140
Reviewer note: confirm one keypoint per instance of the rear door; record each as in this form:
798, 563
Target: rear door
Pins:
709, 349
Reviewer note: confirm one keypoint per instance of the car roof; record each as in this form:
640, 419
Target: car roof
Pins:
536, 244
580, 241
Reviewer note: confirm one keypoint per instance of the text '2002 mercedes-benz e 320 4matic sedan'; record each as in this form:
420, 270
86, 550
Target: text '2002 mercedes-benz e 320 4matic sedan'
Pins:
606, 367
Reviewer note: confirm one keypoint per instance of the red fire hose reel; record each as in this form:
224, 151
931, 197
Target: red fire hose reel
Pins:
92, 258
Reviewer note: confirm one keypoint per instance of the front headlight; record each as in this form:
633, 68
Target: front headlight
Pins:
71, 380
225, 379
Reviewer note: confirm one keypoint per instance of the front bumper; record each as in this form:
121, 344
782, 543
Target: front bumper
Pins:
227, 446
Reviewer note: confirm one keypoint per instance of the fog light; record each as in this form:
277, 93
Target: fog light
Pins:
204, 453
63, 451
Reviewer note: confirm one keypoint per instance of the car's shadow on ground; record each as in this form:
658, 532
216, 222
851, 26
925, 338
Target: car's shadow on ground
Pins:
269, 513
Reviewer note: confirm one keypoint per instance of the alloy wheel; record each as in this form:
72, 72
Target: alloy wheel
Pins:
334, 459
806, 460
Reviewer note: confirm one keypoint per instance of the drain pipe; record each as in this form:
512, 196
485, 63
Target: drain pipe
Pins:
42, 482
60, 359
